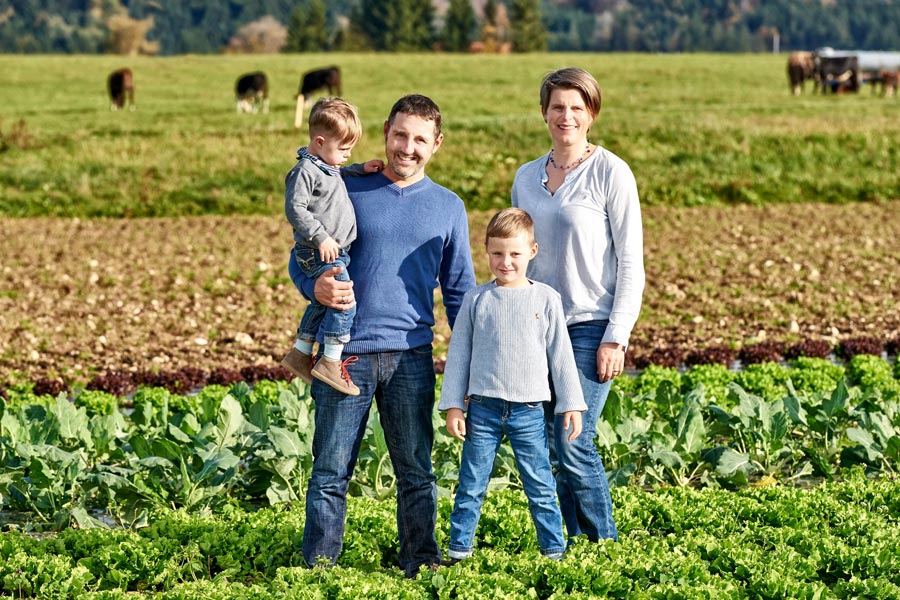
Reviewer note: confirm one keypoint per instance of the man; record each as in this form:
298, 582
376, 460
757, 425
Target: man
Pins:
411, 235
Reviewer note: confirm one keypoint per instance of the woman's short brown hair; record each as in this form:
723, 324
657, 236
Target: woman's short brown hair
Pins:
572, 78
510, 223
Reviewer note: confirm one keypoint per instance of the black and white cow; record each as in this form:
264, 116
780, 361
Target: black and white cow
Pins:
120, 84
249, 90
838, 73
317, 79
329, 77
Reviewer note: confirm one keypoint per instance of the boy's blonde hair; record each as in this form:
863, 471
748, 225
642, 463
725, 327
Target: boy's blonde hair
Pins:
335, 117
509, 223
572, 78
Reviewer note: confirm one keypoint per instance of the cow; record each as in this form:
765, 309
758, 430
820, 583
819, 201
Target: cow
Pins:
121, 86
317, 79
889, 82
329, 77
800, 67
839, 73
249, 90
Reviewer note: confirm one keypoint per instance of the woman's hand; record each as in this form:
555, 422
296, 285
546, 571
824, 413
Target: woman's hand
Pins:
456, 423
610, 361
332, 292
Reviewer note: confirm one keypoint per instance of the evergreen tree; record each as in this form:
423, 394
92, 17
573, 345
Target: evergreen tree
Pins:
459, 28
203, 26
397, 25
490, 12
350, 37
308, 28
528, 32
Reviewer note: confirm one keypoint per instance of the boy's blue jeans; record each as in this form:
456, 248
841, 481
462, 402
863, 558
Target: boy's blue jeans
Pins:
488, 419
335, 324
581, 480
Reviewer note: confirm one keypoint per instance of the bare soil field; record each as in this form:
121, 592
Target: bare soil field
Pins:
79, 297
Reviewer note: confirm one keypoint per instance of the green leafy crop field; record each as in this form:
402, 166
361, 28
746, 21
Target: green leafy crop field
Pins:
698, 129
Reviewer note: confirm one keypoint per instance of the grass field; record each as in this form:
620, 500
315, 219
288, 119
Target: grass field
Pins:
697, 129
702, 132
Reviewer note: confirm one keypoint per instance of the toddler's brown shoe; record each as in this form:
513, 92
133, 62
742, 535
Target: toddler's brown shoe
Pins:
334, 373
299, 364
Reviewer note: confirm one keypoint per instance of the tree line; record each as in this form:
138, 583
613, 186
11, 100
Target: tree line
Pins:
208, 26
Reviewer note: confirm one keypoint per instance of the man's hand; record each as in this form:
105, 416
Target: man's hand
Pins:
456, 423
572, 420
332, 292
329, 250
374, 165
610, 361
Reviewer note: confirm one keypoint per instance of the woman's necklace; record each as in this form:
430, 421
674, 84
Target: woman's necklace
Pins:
587, 151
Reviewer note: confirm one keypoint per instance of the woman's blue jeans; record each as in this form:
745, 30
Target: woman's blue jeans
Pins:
402, 384
488, 419
335, 324
581, 481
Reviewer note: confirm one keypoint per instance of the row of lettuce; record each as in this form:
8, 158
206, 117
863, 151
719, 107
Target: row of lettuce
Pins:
834, 541
182, 380
62, 460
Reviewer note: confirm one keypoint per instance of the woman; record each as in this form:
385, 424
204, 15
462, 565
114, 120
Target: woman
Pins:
584, 203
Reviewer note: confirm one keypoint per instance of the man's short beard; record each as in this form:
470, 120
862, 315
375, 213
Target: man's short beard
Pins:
405, 171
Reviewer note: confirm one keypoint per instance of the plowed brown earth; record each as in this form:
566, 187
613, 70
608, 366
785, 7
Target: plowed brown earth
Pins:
79, 297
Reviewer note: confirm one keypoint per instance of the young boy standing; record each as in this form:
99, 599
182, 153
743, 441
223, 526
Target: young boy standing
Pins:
509, 341
319, 210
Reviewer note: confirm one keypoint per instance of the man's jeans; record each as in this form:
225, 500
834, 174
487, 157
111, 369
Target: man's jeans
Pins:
402, 384
335, 324
523, 423
581, 481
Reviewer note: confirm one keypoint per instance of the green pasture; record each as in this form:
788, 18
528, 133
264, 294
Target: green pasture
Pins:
697, 129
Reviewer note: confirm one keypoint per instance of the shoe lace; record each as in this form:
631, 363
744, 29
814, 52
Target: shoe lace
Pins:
347, 362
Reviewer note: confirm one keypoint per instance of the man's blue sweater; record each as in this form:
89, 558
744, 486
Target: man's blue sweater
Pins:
408, 241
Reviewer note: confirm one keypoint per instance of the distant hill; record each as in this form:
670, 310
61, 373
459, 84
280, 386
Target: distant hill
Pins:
206, 26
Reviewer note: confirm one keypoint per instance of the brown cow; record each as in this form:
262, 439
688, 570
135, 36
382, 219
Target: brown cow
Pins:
800, 67
889, 82
121, 85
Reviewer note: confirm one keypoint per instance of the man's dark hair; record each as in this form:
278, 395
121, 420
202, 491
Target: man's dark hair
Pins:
419, 106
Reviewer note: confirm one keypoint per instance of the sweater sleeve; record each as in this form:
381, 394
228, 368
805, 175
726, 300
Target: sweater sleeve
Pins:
354, 170
298, 191
561, 360
459, 358
625, 225
457, 275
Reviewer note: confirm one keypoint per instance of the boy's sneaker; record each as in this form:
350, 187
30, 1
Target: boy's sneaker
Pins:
455, 556
299, 364
334, 373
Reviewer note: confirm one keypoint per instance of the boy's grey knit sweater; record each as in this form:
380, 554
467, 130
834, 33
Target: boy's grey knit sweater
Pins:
505, 343
316, 203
